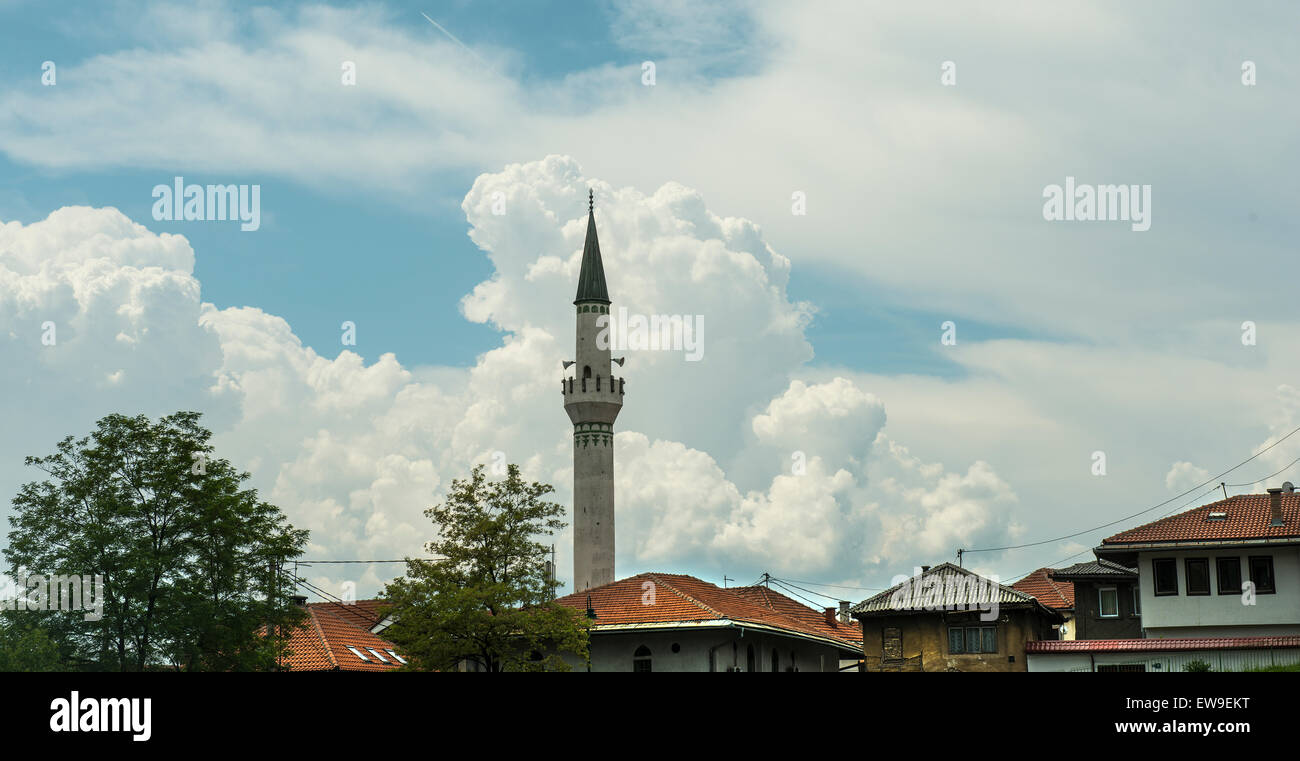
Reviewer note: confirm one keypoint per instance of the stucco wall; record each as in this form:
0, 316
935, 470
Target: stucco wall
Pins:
925, 636
1223, 615
614, 651
1088, 621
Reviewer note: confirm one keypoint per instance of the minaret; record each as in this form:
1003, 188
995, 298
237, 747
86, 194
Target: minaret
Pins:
593, 398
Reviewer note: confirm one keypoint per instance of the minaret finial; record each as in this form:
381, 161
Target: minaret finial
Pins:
591, 201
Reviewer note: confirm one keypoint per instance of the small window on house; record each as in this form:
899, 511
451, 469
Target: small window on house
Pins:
793, 667
1261, 574
749, 659
1108, 602
1165, 571
1137, 598
892, 641
357, 653
375, 653
1229, 572
396, 657
776, 661
1216, 516
1198, 576
641, 659
972, 640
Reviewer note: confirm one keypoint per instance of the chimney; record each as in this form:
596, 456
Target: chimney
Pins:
1275, 506
830, 617
591, 612
299, 600
844, 612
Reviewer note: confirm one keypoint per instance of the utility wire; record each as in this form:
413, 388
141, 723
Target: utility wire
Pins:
1265, 478
1211, 479
796, 594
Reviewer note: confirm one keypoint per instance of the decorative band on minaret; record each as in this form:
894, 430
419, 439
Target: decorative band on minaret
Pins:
593, 398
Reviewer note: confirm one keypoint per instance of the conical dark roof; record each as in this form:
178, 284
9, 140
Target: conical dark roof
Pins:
591, 281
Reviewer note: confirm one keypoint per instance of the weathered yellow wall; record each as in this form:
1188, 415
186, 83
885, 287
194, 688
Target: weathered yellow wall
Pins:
925, 636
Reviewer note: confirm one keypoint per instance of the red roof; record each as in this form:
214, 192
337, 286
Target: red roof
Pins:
662, 598
1050, 592
322, 642
1158, 645
1246, 517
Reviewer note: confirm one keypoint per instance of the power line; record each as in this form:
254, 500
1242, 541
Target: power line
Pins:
408, 560
1141, 512
796, 594
1265, 478
837, 586
809, 591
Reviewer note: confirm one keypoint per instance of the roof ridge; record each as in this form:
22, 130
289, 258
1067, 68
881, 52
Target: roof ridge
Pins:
658, 579
324, 641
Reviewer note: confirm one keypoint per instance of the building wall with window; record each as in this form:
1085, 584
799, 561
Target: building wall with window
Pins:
1197, 593
706, 649
928, 641
1106, 610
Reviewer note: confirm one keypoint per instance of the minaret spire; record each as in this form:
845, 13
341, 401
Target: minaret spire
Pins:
593, 398
591, 279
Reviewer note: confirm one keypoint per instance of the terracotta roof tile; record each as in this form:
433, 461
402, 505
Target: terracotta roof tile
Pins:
1246, 517
1049, 591
322, 642
1158, 645
652, 598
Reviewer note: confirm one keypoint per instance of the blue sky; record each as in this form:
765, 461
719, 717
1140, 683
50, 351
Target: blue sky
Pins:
924, 205
400, 270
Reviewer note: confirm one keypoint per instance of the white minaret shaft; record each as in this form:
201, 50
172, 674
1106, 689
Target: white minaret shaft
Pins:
593, 398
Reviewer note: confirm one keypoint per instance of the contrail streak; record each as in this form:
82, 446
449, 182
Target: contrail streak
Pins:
455, 39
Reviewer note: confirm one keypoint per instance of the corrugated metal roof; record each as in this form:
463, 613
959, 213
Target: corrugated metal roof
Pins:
1107, 568
943, 587
1158, 645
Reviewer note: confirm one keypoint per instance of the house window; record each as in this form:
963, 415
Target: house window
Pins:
1198, 576
1108, 602
1166, 576
892, 640
357, 653
966, 640
1137, 597
1261, 574
749, 659
1229, 575
776, 661
641, 659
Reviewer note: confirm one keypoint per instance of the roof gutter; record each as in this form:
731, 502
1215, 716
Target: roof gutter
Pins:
726, 623
1174, 544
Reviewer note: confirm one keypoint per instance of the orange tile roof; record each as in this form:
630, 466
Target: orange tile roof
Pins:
1049, 591
1160, 645
321, 643
662, 598
1247, 517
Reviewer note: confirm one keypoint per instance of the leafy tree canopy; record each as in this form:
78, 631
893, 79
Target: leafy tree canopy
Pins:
186, 553
490, 601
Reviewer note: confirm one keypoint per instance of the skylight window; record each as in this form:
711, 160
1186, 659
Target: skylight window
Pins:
375, 653
357, 653
1216, 516
399, 658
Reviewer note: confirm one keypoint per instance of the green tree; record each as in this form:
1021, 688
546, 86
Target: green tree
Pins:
490, 600
26, 648
187, 555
